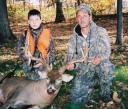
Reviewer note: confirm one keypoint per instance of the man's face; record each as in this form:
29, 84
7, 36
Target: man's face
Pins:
34, 21
83, 19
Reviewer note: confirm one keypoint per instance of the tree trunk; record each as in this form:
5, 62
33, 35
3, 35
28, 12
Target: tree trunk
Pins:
78, 2
119, 23
59, 12
40, 5
5, 31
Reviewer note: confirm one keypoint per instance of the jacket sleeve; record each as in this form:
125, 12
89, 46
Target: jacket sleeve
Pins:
104, 47
72, 52
21, 45
71, 49
51, 51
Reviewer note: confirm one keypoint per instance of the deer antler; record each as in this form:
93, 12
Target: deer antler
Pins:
42, 61
82, 59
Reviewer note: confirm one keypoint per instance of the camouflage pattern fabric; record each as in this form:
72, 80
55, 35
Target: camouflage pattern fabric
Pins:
30, 72
88, 74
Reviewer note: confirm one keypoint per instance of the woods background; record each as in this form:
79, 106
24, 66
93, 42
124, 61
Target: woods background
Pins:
59, 15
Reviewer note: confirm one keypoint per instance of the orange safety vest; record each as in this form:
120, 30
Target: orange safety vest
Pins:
42, 43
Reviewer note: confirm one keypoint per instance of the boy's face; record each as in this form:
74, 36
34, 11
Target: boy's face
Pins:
34, 21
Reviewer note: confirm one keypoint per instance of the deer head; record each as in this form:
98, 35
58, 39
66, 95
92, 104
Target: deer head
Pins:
57, 76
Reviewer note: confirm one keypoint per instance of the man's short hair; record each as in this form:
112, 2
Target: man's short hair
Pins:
34, 12
85, 8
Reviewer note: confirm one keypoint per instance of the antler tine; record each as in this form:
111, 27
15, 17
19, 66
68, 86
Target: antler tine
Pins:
65, 58
84, 56
49, 68
44, 62
82, 52
63, 68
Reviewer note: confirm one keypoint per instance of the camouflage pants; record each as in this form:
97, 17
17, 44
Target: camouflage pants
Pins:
88, 76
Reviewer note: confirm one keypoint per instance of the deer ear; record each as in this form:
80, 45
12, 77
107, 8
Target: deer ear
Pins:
66, 77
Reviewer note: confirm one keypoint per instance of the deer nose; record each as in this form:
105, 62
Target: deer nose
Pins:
51, 89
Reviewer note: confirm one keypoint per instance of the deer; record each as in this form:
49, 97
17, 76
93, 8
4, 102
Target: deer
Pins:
21, 93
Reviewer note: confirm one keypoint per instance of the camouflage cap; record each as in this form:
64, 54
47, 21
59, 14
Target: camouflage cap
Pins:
85, 8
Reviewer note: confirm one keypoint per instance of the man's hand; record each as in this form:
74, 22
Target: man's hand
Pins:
70, 66
96, 60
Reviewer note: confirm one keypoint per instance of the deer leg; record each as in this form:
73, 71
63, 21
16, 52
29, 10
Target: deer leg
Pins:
1, 97
21, 106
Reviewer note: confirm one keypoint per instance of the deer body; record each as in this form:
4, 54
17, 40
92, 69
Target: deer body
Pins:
9, 86
35, 93
20, 92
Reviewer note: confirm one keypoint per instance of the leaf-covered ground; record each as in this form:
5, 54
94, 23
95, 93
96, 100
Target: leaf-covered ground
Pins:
61, 33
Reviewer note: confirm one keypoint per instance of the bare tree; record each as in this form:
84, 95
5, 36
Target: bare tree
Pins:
5, 31
78, 2
59, 12
119, 23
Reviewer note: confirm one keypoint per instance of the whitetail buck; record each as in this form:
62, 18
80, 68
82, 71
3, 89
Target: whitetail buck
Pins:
20, 93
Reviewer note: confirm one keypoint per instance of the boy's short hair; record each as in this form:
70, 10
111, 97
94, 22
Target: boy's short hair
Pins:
34, 12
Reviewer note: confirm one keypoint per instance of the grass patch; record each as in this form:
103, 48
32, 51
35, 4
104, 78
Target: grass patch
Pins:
121, 73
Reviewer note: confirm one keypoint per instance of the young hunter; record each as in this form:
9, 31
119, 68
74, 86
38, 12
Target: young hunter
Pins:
35, 44
91, 42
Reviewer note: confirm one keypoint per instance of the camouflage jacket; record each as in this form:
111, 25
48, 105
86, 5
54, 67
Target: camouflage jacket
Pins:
35, 33
97, 41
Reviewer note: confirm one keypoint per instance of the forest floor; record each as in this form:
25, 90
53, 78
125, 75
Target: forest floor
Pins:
61, 33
